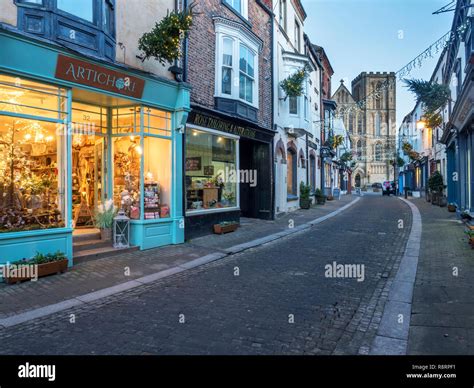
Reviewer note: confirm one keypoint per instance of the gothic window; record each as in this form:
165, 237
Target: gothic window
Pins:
378, 131
351, 122
359, 148
360, 130
378, 152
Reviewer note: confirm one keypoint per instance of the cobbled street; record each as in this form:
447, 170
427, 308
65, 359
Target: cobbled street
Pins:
274, 299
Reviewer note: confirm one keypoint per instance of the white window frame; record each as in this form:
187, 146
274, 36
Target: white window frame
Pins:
244, 11
238, 37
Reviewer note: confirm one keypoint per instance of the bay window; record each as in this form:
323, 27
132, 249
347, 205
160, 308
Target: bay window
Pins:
82, 9
227, 66
237, 61
246, 79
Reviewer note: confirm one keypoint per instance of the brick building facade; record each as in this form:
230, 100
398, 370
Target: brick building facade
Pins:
230, 126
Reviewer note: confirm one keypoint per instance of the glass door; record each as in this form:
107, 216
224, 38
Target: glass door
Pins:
89, 129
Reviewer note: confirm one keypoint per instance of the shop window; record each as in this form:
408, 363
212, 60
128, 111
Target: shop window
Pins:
156, 122
126, 120
31, 175
88, 119
291, 178
82, 9
21, 96
157, 181
211, 171
127, 159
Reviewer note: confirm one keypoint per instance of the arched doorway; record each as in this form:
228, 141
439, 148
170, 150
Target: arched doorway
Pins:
357, 180
280, 187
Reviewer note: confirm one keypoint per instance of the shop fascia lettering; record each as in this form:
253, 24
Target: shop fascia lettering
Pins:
79, 73
224, 126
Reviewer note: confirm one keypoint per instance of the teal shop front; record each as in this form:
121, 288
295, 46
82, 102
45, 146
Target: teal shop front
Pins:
76, 134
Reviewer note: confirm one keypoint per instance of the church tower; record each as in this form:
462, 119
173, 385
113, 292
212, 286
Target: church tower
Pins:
369, 113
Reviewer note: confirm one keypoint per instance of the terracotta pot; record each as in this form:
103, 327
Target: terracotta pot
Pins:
221, 229
106, 234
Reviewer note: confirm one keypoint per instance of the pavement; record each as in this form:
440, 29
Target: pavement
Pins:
442, 320
96, 279
266, 289
274, 298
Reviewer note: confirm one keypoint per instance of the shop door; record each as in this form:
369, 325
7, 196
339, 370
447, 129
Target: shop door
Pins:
255, 195
88, 177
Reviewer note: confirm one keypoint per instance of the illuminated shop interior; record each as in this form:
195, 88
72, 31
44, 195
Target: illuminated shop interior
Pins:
117, 149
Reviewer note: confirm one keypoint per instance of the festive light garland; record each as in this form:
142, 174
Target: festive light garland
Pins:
440, 44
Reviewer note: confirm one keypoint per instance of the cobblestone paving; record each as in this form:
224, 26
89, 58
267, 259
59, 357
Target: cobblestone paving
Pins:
250, 313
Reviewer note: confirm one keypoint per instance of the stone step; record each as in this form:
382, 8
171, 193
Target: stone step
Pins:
98, 253
86, 237
83, 245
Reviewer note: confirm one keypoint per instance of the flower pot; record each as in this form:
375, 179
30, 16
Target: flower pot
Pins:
46, 269
221, 229
106, 234
321, 200
451, 208
330, 197
305, 203
442, 201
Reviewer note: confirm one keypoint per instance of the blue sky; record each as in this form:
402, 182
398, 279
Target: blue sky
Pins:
363, 35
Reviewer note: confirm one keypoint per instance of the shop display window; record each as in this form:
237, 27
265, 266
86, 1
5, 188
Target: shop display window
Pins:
31, 175
211, 171
25, 97
126, 120
151, 145
157, 183
156, 122
88, 119
127, 159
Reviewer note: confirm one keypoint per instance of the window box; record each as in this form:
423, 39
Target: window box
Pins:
43, 270
225, 227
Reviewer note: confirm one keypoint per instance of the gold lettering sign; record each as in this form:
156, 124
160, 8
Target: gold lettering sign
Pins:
224, 126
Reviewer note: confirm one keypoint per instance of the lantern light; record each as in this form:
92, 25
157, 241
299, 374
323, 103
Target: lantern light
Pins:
121, 236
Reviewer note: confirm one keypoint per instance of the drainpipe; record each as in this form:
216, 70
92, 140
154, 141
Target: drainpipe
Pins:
272, 109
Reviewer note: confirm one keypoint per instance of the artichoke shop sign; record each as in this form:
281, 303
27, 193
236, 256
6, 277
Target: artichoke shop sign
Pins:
86, 73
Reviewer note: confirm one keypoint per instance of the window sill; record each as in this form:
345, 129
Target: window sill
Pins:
207, 211
290, 198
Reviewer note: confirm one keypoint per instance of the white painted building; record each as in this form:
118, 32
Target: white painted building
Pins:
296, 118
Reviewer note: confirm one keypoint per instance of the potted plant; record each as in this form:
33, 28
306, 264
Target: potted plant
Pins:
320, 198
305, 199
451, 207
47, 264
436, 186
104, 219
225, 227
